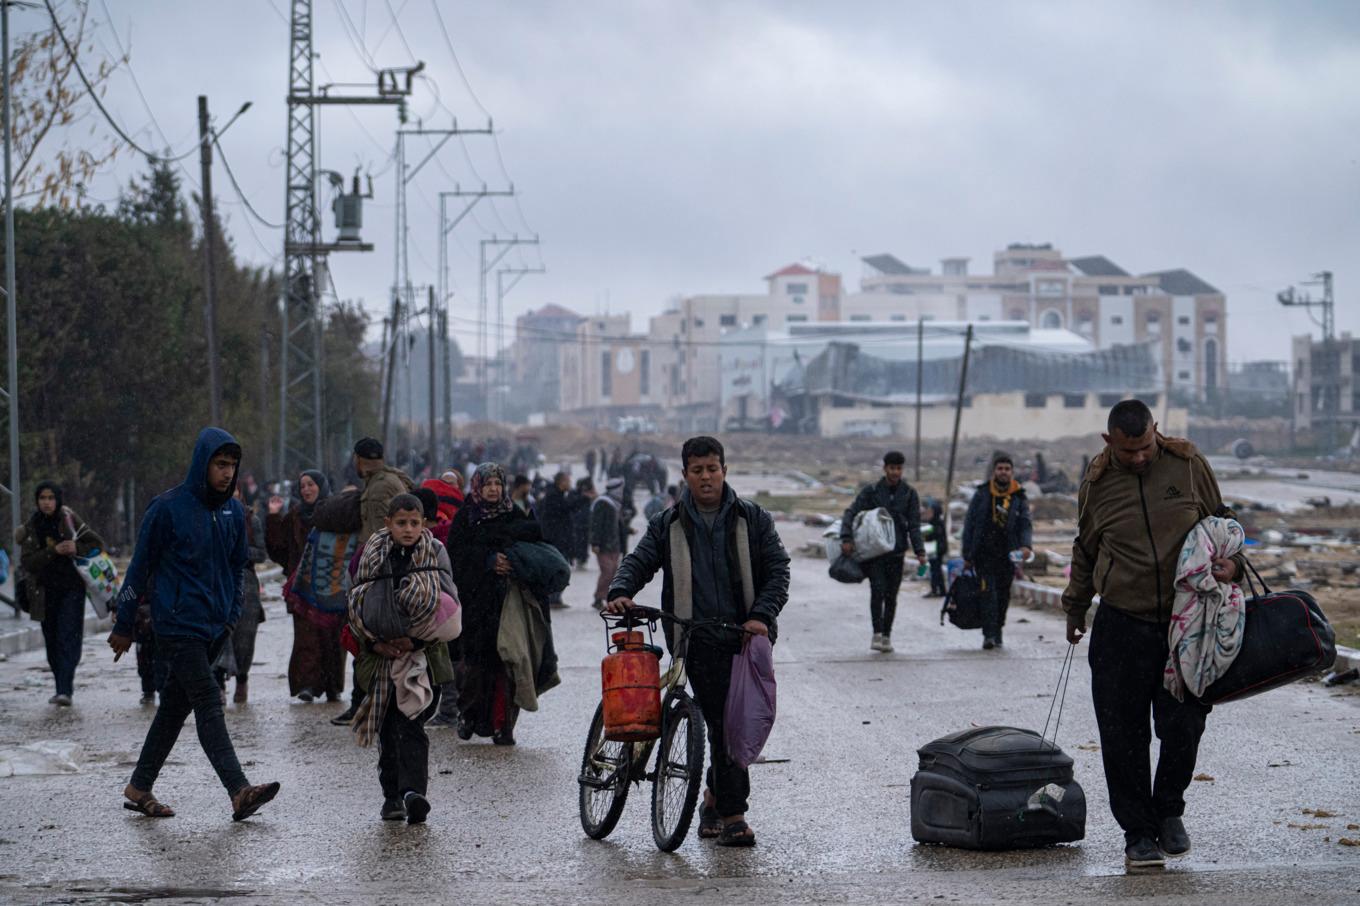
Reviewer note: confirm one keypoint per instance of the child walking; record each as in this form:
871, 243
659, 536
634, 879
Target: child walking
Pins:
403, 608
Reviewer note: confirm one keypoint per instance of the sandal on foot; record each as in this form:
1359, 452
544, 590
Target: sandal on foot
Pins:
710, 823
147, 805
249, 800
738, 833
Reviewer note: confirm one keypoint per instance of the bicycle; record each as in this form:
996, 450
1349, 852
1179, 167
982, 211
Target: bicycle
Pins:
608, 767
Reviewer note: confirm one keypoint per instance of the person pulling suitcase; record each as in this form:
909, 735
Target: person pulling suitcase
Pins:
1140, 498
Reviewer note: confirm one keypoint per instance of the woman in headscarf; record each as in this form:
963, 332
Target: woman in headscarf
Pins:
484, 528
317, 665
48, 541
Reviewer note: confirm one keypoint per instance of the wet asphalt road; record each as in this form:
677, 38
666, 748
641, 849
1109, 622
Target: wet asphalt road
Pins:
830, 809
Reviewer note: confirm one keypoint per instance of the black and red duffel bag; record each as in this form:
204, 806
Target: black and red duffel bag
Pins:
1287, 638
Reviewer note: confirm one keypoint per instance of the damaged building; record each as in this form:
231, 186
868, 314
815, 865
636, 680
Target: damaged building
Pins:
838, 379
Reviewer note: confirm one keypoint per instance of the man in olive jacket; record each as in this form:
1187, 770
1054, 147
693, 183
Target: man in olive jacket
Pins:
719, 579
381, 484
1139, 500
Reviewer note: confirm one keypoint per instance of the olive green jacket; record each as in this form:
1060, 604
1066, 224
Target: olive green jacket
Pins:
1131, 527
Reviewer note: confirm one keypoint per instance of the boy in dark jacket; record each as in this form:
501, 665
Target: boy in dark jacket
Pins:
892, 493
997, 524
192, 546
741, 587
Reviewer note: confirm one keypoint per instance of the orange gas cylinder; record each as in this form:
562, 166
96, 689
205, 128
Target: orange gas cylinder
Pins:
631, 678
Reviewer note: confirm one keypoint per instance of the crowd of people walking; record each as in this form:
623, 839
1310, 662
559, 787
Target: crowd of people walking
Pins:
443, 592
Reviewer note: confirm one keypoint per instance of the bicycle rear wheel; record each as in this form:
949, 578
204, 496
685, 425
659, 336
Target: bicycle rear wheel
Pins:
605, 768
679, 771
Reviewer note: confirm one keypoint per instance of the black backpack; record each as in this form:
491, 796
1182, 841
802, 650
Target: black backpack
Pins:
963, 603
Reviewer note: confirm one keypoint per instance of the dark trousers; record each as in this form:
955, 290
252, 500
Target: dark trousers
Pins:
404, 750
999, 574
885, 579
189, 687
1127, 657
937, 586
710, 676
63, 628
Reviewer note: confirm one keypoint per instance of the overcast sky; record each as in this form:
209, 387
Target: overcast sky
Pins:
669, 147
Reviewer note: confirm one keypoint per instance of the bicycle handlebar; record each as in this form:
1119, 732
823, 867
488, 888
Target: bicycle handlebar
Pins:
638, 614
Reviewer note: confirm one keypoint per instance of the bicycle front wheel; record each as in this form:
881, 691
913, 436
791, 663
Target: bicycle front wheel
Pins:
679, 771
605, 768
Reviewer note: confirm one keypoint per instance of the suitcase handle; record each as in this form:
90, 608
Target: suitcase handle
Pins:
1064, 677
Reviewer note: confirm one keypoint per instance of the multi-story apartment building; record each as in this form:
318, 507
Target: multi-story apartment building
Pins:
1091, 296
1182, 315
1326, 398
607, 371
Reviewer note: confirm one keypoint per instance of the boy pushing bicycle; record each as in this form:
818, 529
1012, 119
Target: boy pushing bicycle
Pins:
721, 559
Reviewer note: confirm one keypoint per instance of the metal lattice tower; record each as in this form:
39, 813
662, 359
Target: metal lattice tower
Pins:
300, 416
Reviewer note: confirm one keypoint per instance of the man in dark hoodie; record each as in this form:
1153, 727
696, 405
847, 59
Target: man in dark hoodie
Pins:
191, 556
726, 582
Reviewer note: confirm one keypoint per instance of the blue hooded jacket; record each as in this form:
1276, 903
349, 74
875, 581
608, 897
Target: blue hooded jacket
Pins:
190, 555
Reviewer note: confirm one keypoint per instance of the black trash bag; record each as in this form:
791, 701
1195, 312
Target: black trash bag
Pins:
846, 569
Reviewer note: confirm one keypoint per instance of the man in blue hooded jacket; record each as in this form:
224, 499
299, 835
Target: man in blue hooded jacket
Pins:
190, 561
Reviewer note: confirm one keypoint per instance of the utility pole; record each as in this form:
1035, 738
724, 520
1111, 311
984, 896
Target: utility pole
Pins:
11, 395
1331, 391
518, 274
434, 429
958, 416
209, 265
483, 335
469, 199
301, 415
401, 278
920, 371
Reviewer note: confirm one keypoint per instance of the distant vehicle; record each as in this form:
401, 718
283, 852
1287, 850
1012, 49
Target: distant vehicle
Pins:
636, 424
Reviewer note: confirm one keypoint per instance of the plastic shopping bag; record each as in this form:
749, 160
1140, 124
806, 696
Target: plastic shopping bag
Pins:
831, 539
749, 715
101, 579
875, 534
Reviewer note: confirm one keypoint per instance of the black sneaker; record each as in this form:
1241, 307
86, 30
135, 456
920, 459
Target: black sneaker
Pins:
306, 696
1175, 842
345, 717
1144, 853
393, 810
988, 643
417, 808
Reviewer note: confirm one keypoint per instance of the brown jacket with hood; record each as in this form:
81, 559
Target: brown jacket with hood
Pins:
380, 486
1130, 529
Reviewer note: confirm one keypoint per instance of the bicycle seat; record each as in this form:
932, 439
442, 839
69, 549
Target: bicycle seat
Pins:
656, 650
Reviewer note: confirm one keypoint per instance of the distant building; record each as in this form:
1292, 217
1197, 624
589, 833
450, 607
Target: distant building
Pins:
860, 379
1325, 403
536, 359
1091, 296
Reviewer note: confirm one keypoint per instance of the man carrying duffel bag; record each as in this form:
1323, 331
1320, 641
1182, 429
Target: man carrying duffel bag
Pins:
1138, 501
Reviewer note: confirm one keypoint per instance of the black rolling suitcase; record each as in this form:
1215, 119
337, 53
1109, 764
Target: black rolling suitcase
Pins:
996, 788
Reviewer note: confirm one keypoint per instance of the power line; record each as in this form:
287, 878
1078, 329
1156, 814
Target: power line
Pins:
94, 96
231, 177
462, 74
